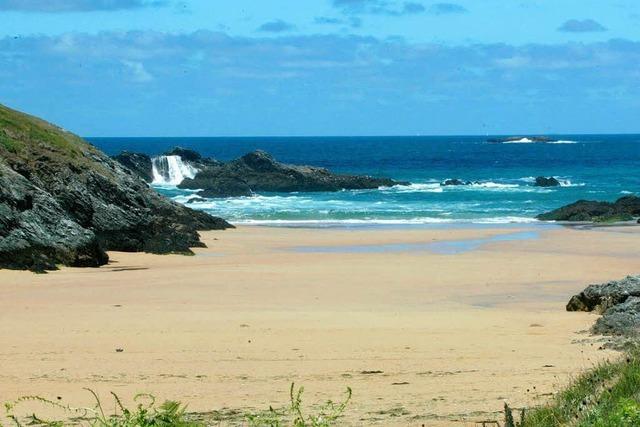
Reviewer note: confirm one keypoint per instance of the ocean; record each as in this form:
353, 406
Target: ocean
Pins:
597, 167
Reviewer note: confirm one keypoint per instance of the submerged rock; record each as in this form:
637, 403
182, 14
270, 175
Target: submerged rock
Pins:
542, 181
259, 171
624, 209
63, 202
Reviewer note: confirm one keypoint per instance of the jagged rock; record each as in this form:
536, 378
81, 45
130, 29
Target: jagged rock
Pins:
138, 163
455, 181
36, 233
258, 171
624, 209
542, 181
65, 202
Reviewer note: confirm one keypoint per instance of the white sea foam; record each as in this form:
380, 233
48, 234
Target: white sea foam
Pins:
562, 141
171, 170
568, 183
364, 222
493, 185
428, 187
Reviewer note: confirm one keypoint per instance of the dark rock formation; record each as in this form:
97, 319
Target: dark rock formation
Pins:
193, 157
624, 209
619, 303
258, 171
186, 154
62, 201
138, 163
542, 181
455, 181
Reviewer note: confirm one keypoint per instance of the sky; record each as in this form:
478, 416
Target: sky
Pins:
323, 67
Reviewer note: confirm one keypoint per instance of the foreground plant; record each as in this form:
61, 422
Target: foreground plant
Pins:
173, 414
327, 414
145, 414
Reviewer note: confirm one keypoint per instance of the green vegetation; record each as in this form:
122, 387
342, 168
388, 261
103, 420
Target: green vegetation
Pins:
169, 413
606, 396
21, 129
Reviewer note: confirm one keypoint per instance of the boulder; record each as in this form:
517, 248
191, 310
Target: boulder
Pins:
542, 181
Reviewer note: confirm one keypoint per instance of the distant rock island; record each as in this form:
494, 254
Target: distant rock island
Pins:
521, 139
626, 208
64, 202
254, 172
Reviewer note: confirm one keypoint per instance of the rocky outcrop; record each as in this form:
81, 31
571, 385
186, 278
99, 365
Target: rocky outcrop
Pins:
63, 202
258, 171
139, 164
543, 181
193, 157
619, 303
624, 209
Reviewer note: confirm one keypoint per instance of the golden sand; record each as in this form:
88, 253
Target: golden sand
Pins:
454, 335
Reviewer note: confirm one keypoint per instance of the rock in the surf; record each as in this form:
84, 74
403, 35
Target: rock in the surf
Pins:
543, 181
259, 171
623, 209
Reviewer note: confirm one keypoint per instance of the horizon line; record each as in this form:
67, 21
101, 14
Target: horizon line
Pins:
513, 135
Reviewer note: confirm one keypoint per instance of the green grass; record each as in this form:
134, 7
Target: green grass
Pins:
606, 396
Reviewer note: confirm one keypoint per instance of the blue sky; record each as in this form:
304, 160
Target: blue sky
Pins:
323, 67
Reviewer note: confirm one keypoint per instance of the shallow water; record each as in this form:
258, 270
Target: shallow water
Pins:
442, 247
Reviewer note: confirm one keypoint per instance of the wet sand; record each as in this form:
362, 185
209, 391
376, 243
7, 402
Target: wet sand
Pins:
421, 335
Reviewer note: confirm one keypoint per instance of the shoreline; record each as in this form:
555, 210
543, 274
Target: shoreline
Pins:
234, 325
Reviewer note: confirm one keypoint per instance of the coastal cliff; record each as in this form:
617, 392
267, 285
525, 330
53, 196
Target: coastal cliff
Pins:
64, 202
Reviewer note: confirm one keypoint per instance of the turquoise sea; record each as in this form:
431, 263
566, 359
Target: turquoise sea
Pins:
599, 167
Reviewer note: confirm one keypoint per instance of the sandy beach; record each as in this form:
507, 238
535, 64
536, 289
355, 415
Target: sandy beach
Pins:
427, 326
